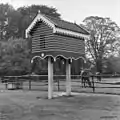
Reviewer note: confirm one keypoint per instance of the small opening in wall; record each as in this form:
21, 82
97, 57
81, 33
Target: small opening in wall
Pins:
42, 41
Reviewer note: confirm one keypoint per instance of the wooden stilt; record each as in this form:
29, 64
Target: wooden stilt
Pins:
68, 78
50, 78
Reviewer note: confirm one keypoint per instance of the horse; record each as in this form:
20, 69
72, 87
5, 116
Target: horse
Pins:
85, 78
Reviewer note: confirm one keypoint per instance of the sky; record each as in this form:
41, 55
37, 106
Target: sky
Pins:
77, 10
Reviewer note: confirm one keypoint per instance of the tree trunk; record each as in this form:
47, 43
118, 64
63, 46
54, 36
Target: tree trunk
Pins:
99, 66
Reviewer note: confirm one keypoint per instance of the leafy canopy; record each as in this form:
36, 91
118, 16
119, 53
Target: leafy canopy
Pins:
103, 36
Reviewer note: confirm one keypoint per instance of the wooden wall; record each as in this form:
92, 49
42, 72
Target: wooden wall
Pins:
40, 30
55, 41
66, 43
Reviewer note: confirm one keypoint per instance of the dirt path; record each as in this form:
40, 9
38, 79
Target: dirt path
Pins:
31, 105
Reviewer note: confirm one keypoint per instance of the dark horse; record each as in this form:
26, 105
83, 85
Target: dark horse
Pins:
85, 78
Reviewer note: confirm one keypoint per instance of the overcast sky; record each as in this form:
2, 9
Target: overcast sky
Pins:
77, 10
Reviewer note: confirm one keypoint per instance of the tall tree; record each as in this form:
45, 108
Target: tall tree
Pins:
14, 22
5, 9
28, 14
14, 56
112, 64
9, 21
102, 39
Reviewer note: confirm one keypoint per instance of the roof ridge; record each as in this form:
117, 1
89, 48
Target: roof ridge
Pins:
68, 23
56, 22
59, 19
49, 18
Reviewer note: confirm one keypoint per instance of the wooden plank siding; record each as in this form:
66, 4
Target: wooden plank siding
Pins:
69, 44
41, 30
55, 42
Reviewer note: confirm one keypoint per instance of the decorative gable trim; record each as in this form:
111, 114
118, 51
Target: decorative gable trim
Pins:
53, 25
70, 33
38, 18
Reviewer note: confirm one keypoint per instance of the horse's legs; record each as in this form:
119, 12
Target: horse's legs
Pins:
89, 83
82, 82
85, 82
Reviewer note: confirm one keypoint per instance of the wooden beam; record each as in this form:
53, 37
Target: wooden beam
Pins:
50, 78
68, 77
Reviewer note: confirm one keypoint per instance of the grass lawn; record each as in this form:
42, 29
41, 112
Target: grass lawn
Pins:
34, 105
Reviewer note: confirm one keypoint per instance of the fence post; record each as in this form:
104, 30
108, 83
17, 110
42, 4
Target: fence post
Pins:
6, 86
30, 84
58, 84
93, 83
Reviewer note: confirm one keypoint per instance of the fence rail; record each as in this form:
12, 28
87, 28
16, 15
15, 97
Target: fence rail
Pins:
16, 82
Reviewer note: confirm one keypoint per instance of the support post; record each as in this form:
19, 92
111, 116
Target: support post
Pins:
30, 84
50, 78
68, 78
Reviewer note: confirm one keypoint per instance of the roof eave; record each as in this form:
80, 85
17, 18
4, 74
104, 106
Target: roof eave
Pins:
70, 33
54, 26
84, 28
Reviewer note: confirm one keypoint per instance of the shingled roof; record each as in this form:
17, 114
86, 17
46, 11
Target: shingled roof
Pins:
59, 26
67, 25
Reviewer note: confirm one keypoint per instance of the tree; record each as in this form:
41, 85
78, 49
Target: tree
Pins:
14, 50
14, 22
102, 39
5, 9
112, 65
9, 21
28, 14
14, 57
